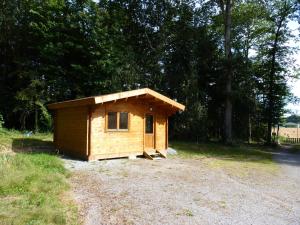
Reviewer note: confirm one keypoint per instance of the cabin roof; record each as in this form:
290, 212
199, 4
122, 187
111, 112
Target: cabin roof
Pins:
146, 92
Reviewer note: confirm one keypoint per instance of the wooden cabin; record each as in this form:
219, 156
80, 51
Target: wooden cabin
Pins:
123, 124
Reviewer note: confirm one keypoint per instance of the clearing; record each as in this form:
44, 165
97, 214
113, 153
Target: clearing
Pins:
203, 184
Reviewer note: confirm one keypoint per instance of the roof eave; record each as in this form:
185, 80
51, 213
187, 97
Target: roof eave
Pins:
72, 103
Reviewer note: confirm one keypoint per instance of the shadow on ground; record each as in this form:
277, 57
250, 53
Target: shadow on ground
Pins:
243, 153
32, 145
288, 154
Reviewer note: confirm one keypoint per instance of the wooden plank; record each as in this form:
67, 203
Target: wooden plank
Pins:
55, 129
149, 139
165, 99
72, 103
71, 129
144, 127
160, 131
117, 96
167, 133
164, 155
117, 142
147, 155
89, 130
114, 155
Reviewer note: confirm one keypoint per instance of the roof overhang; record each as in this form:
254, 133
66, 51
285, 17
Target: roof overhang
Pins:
116, 96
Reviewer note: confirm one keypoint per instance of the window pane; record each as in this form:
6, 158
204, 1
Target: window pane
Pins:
149, 124
123, 120
112, 120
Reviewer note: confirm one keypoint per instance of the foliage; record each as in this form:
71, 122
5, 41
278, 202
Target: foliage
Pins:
58, 50
30, 190
293, 119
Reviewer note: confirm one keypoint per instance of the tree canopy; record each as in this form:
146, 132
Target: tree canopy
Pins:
54, 50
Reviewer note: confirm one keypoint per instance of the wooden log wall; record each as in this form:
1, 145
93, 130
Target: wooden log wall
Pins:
111, 144
71, 131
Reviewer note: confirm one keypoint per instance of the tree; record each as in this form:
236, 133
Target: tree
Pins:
219, 58
293, 119
226, 8
273, 55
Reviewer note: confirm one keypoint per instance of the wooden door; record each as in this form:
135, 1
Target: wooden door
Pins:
149, 131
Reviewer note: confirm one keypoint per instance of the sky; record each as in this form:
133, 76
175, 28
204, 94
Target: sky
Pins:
294, 84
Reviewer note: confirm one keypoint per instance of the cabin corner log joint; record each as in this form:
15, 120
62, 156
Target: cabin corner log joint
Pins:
116, 125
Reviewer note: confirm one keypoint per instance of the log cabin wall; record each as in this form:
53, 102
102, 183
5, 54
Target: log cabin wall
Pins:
71, 131
111, 144
80, 125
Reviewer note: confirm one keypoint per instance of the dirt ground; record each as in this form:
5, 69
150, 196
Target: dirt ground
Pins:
184, 191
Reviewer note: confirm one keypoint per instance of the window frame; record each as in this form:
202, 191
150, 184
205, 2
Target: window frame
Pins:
107, 121
145, 129
118, 121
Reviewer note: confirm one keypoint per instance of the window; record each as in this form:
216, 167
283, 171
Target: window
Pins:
149, 124
117, 121
123, 123
112, 121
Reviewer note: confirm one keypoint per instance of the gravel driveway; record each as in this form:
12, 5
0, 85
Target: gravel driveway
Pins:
184, 191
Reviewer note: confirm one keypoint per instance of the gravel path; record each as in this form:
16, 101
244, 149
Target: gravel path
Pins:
290, 163
184, 191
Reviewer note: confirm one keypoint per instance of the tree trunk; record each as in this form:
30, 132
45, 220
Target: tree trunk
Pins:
249, 129
36, 117
228, 73
278, 134
23, 121
269, 135
271, 83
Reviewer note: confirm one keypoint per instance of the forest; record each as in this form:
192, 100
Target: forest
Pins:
228, 61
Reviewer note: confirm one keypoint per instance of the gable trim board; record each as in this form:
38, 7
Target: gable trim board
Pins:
114, 97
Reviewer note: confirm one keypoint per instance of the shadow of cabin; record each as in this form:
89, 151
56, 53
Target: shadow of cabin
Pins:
32, 145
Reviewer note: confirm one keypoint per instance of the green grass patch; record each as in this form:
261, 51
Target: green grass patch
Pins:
33, 186
239, 159
236, 152
32, 190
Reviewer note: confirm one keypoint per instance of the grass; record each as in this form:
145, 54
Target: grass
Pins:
236, 152
16, 140
33, 186
238, 159
185, 212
